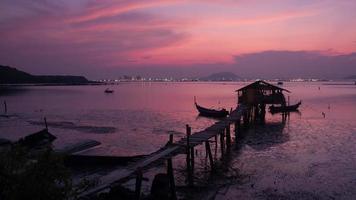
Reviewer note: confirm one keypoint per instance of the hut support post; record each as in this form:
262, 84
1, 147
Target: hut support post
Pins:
172, 185
237, 129
138, 184
263, 113
228, 137
246, 119
256, 112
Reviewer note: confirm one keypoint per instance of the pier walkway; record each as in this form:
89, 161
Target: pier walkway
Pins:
184, 145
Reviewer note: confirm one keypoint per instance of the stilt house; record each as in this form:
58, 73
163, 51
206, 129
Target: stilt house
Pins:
261, 92
256, 95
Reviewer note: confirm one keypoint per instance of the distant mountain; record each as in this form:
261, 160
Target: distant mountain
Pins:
221, 76
9, 75
351, 77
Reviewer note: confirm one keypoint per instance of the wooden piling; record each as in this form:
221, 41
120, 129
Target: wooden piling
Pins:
188, 131
192, 159
228, 137
172, 185
5, 108
208, 153
237, 129
189, 154
245, 119
216, 146
222, 143
45, 121
170, 141
138, 184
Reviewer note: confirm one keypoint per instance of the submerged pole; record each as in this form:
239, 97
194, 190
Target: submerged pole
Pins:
172, 185
228, 137
188, 159
222, 143
208, 152
188, 131
170, 138
192, 159
5, 107
45, 121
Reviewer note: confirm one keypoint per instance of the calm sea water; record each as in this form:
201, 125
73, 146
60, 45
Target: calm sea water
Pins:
309, 157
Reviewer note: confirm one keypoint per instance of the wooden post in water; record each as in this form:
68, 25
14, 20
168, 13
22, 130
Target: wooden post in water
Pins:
138, 184
228, 138
222, 143
208, 152
245, 119
172, 185
192, 159
216, 147
45, 121
5, 108
255, 113
237, 129
170, 138
188, 131
188, 159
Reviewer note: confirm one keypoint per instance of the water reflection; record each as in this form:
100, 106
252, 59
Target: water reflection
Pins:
264, 136
12, 90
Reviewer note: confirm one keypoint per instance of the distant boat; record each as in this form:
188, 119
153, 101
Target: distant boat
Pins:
211, 112
109, 91
279, 83
290, 108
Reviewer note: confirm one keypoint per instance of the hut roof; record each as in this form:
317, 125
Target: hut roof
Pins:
263, 85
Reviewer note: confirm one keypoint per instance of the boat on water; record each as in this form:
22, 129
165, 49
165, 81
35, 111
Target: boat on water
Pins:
109, 91
207, 112
290, 108
279, 83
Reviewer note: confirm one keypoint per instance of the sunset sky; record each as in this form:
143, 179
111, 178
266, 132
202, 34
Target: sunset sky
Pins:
253, 38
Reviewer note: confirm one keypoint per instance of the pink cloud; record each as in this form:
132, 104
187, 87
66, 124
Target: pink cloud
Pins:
92, 34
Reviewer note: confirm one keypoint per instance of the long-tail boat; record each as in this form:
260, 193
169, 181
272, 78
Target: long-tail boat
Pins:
211, 112
290, 108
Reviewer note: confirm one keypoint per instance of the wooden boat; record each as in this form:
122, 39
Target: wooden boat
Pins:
211, 112
279, 83
290, 108
109, 91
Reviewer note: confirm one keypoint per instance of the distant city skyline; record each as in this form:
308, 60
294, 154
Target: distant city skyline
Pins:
107, 39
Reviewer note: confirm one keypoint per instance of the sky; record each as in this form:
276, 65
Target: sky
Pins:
180, 38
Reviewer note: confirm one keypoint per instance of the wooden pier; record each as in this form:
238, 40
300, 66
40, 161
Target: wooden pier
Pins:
185, 145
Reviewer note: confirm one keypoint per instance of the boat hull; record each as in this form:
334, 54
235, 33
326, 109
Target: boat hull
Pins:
291, 108
211, 112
